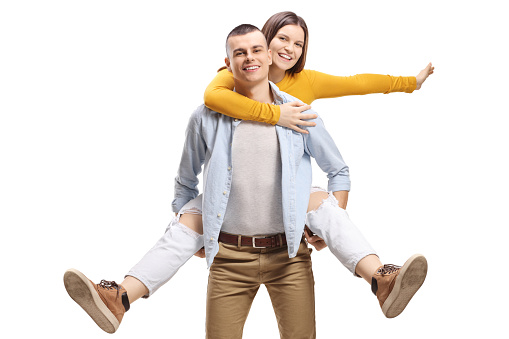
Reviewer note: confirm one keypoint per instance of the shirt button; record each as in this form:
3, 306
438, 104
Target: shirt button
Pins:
224, 192
236, 120
229, 168
219, 214
211, 239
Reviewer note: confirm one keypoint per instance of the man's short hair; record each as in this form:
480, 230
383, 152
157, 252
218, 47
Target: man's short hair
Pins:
240, 30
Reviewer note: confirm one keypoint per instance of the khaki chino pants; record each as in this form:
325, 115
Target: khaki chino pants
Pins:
237, 273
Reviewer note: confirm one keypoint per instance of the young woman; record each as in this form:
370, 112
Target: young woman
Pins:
287, 36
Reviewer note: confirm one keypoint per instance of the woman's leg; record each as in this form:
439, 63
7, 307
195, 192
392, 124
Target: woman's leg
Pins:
107, 301
331, 223
393, 285
182, 239
134, 287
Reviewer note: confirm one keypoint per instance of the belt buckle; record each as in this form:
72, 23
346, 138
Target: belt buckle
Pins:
254, 245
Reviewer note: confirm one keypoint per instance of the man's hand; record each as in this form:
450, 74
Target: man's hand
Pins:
423, 75
291, 116
200, 253
314, 240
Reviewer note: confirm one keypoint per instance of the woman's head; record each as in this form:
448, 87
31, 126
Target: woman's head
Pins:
287, 36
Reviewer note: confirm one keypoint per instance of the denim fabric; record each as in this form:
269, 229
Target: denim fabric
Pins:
177, 245
208, 142
332, 223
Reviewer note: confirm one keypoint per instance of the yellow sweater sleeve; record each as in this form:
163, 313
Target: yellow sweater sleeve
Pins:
220, 97
331, 86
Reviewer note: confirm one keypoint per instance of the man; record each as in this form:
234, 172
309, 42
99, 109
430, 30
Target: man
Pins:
242, 158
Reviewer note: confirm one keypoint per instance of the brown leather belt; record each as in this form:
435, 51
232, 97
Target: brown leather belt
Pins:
277, 240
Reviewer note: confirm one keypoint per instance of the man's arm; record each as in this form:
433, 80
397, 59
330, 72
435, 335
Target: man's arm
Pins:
193, 157
342, 198
320, 145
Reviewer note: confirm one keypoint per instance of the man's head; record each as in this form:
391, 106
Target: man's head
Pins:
248, 56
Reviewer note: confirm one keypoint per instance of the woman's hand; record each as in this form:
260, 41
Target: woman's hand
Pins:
291, 116
423, 75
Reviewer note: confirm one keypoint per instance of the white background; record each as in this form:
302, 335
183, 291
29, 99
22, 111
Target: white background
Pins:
94, 100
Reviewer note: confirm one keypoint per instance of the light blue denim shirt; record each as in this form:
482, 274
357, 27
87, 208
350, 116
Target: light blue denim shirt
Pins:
208, 141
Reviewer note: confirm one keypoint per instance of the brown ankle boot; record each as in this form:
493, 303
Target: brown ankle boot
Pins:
394, 286
105, 302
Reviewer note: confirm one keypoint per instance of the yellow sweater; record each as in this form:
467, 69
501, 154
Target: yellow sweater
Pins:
307, 85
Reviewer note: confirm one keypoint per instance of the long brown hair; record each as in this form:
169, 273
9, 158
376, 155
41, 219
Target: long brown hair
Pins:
279, 20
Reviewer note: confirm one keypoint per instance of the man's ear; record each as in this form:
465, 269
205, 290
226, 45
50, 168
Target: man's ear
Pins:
227, 62
270, 56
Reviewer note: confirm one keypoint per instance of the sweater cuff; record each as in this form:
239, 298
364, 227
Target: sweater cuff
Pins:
276, 115
412, 84
403, 84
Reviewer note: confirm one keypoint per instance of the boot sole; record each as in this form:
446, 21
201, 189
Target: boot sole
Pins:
83, 292
409, 280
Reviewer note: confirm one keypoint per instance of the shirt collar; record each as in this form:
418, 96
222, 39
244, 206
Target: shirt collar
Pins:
278, 99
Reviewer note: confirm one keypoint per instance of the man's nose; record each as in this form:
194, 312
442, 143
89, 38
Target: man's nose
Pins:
249, 56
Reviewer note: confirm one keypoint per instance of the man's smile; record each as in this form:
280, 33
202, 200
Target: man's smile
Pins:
251, 68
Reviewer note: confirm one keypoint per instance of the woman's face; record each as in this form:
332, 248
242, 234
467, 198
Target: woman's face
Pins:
287, 46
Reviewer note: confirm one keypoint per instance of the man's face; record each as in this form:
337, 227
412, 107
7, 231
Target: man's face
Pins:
248, 57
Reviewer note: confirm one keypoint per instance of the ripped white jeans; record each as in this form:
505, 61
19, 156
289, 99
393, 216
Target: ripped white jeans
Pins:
332, 223
179, 243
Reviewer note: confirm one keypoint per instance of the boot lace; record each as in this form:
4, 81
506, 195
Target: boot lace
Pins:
388, 269
109, 285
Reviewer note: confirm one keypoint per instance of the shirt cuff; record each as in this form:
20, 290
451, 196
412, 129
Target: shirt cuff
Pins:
339, 186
